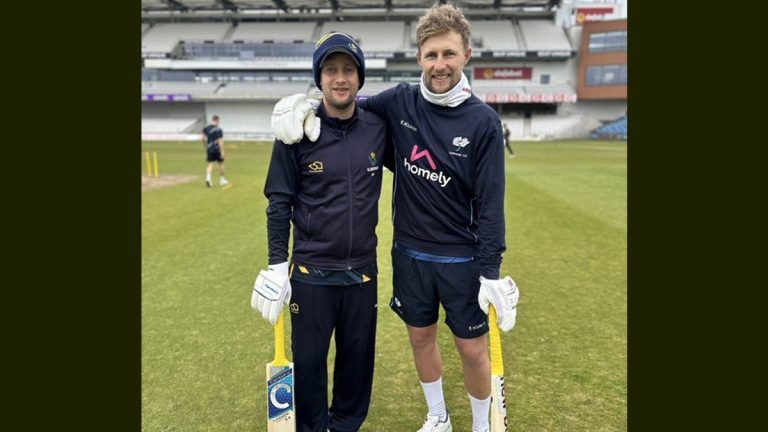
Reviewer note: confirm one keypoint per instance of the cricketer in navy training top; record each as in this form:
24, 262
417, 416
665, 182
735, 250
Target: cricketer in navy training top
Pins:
328, 187
448, 209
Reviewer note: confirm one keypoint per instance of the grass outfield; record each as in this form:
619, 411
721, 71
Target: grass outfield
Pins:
204, 349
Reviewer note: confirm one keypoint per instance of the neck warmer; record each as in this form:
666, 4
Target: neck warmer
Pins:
453, 97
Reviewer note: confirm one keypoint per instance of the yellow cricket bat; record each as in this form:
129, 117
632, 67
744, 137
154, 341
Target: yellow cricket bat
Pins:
281, 411
498, 397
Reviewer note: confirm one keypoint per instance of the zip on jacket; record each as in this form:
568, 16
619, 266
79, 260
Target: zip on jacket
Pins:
329, 190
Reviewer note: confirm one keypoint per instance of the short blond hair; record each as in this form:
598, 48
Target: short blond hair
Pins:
441, 19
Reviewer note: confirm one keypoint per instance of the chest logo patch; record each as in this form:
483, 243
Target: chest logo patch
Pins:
316, 167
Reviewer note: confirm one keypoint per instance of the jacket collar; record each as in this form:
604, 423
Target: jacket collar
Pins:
336, 123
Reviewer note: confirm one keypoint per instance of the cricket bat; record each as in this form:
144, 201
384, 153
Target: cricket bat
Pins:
498, 397
281, 412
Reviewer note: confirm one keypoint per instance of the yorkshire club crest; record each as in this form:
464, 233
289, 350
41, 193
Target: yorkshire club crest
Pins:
460, 143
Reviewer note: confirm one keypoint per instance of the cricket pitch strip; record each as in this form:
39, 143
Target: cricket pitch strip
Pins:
149, 183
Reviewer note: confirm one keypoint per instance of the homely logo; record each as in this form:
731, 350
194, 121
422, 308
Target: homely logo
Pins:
432, 176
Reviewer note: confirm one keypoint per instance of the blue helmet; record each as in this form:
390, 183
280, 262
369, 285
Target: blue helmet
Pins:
337, 42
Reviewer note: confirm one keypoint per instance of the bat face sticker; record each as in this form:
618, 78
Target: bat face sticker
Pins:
279, 392
280, 396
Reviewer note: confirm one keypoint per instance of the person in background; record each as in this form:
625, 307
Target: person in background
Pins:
213, 141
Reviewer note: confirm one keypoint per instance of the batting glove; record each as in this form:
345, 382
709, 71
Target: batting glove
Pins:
271, 290
293, 117
503, 294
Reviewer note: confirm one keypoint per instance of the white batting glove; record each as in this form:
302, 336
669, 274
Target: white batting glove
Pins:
503, 294
311, 121
293, 116
271, 290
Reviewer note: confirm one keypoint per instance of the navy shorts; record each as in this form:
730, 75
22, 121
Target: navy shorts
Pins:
419, 287
214, 156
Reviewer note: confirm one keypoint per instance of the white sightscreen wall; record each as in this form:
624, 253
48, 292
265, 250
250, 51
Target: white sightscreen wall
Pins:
544, 35
559, 72
171, 110
171, 117
242, 117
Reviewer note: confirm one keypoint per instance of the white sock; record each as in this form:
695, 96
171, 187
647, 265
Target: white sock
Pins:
480, 411
433, 392
208, 176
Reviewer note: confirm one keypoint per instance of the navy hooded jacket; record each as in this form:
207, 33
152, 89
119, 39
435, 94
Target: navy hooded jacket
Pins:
330, 190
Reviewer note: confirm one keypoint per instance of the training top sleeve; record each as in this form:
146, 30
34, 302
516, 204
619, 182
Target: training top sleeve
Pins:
280, 189
389, 152
489, 191
379, 103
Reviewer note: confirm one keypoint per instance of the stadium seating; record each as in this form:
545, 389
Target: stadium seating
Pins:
412, 42
372, 35
522, 90
163, 37
544, 35
255, 32
498, 87
616, 129
270, 51
278, 51
191, 88
549, 89
496, 35
373, 87
262, 90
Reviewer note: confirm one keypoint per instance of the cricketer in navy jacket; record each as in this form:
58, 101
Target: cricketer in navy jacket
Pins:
330, 190
448, 194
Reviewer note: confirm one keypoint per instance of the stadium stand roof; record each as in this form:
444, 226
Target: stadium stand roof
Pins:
302, 5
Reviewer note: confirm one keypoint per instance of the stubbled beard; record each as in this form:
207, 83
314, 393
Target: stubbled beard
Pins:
431, 84
341, 106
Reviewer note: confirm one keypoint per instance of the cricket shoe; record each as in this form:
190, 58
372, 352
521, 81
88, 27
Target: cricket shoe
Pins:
208, 183
433, 424
223, 182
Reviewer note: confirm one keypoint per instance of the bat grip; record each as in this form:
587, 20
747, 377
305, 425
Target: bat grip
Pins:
280, 359
497, 362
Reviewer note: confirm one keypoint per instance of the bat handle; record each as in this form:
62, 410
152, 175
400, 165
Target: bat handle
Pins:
280, 359
497, 363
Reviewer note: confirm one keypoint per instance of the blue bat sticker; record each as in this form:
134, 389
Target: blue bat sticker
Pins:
280, 394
